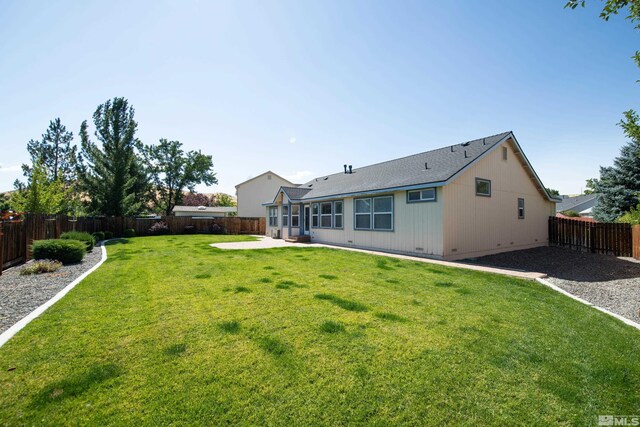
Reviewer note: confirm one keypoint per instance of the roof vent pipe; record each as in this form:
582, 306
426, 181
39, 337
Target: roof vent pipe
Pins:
350, 169
484, 141
465, 154
426, 166
345, 168
452, 150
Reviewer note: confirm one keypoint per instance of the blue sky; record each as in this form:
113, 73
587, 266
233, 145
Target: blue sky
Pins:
302, 87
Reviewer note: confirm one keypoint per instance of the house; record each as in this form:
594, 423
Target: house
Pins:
461, 201
582, 204
205, 211
253, 192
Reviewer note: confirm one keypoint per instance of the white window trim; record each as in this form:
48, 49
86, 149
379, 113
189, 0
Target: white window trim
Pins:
523, 206
285, 216
341, 214
315, 216
324, 215
273, 216
297, 216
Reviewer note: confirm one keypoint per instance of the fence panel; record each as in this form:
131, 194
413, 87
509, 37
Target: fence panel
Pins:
603, 238
13, 243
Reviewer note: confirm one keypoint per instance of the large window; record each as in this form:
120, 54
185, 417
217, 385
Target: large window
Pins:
520, 208
295, 215
285, 215
426, 195
374, 213
483, 187
273, 216
326, 214
315, 215
337, 214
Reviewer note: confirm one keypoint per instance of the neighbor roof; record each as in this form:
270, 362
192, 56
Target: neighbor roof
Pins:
571, 203
207, 209
263, 174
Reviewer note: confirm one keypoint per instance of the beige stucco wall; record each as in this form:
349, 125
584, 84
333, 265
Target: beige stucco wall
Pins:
417, 229
252, 194
476, 226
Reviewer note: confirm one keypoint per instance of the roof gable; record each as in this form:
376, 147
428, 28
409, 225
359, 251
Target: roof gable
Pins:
266, 173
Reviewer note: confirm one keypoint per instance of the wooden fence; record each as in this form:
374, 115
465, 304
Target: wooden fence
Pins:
17, 236
636, 241
597, 237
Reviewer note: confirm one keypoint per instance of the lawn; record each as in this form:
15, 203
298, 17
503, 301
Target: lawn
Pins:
172, 331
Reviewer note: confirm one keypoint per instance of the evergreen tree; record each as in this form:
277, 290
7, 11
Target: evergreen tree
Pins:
173, 170
111, 172
619, 185
54, 152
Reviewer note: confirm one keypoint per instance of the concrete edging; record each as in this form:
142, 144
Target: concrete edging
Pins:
585, 302
9, 333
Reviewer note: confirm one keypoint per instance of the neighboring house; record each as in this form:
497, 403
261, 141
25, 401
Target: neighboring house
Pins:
204, 211
253, 192
583, 204
466, 200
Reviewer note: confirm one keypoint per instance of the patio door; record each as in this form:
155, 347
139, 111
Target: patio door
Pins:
307, 218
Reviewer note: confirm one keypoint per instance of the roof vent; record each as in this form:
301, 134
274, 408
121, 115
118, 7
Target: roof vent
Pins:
426, 166
452, 150
465, 154
350, 169
484, 141
345, 168
202, 208
466, 144
325, 178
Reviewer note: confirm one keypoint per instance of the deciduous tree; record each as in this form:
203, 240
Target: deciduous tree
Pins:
172, 171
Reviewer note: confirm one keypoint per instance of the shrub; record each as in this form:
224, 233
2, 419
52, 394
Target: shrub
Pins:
108, 235
159, 228
189, 229
81, 236
99, 236
65, 251
570, 213
39, 267
217, 229
129, 232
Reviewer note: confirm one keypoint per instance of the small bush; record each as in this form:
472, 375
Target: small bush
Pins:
39, 267
189, 229
217, 229
570, 213
108, 235
129, 232
159, 228
99, 236
65, 251
81, 236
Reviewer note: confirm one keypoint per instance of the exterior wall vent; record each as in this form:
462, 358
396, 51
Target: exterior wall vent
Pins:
202, 208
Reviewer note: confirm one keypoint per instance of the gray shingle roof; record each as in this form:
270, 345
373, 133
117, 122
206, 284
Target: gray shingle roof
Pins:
570, 203
442, 164
295, 193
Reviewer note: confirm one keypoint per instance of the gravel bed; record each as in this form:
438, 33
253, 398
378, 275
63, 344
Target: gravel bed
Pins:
606, 281
20, 295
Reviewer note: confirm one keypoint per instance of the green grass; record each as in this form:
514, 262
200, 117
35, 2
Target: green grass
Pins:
165, 332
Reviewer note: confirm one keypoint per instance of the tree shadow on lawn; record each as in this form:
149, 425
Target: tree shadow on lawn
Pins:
564, 263
75, 385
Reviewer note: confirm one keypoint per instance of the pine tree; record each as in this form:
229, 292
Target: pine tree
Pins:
619, 185
54, 152
111, 172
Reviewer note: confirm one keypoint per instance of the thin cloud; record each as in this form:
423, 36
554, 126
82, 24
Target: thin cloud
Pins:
8, 169
292, 140
299, 176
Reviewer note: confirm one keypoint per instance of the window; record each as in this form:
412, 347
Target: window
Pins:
363, 214
520, 208
273, 216
315, 215
326, 212
374, 213
504, 153
285, 215
337, 214
295, 216
426, 195
483, 187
